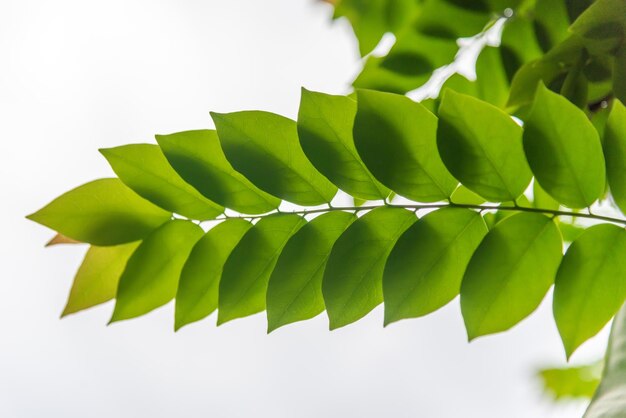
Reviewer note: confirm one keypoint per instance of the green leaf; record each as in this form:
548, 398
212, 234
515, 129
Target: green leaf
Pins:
294, 292
264, 147
589, 287
463, 195
610, 398
602, 26
325, 131
425, 268
570, 232
243, 286
510, 273
572, 382
543, 200
151, 276
563, 150
619, 74
615, 153
144, 168
482, 147
101, 212
198, 287
396, 138
352, 284
97, 277
198, 158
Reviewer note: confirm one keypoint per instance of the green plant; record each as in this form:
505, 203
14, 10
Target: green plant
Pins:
451, 195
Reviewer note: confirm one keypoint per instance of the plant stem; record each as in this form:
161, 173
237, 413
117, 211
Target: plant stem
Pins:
435, 206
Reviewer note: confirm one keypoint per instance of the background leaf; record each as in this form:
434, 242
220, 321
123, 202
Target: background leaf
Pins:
144, 168
151, 276
510, 273
101, 212
97, 277
572, 382
615, 153
590, 286
396, 138
198, 158
264, 147
243, 286
198, 288
294, 292
352, 284
482, 147
325, 131
425, 268
563, 150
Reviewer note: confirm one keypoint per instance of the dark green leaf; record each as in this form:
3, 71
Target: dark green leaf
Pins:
396, 138
264, 147
198, 288
294, 292
510, 273
589, 286
619, 74
151, 276
482, 147
610, 398
198, 157
615, 153
243, 286
97, 278
563, 150
144, 168
602, 26
352, 284
425, 268
325, 131
101, 212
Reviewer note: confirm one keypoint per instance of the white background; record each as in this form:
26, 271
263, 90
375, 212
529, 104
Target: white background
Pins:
79, 75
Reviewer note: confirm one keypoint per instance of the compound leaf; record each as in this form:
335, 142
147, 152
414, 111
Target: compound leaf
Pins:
294, 292
425, 268
144, 168
102, 212
590, 287
198, 158
510, 273
352, 284
264, 147
198, 287
151, 276
243, 287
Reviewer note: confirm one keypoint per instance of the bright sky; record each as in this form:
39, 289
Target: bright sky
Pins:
79, 75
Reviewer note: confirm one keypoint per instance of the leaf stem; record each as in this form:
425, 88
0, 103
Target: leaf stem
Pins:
416, 207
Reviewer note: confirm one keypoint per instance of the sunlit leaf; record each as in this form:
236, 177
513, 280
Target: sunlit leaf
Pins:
198, 287
589, 287
482, 147
151, 276
615, 153
563, 150
396, 138
97, 278
325, 131
264, 147
243, 287
425, 268
510, 273
101, 212
353, 280
294, 292
572, 382
198, 158
144, 168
